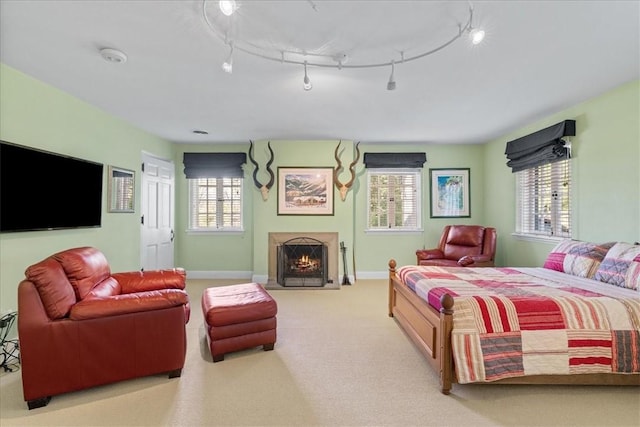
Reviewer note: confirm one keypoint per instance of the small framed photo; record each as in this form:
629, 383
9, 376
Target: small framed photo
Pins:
305, 191
450, 196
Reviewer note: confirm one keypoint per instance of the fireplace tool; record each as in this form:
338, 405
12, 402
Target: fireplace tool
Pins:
345, 278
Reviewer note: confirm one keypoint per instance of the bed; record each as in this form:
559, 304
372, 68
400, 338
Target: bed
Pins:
576, 320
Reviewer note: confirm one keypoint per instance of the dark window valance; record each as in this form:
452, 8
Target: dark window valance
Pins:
394, 160
540, 148
214, 165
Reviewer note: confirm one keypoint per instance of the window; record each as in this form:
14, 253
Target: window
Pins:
394, 199
543, 200
215, 204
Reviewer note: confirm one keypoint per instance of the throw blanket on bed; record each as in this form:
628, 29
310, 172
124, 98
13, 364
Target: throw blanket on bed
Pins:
508, 324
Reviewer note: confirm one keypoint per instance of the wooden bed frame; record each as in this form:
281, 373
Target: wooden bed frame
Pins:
430, 331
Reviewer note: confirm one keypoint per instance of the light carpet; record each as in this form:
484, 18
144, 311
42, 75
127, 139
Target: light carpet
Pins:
339, 360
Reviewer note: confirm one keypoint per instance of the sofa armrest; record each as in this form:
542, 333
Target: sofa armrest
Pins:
466, 261
128, 303
153, 280
424, 254
475, 261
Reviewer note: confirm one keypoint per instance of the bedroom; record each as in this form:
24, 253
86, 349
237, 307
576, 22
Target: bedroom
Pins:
606, 143
606, 212
606, 146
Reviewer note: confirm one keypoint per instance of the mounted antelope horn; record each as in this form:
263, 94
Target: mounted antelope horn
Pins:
345, 187
264, 189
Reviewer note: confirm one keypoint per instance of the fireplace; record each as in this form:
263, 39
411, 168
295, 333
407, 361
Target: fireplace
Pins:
302, 261
304, 273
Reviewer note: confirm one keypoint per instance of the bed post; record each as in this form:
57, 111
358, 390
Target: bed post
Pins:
392, 294
446, 356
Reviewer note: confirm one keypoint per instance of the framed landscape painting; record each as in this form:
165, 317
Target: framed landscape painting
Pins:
450, 193
305, 191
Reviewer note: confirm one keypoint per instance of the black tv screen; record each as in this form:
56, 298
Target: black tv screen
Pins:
40, 190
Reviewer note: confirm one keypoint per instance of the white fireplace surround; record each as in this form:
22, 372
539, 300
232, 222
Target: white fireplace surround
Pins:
330, 239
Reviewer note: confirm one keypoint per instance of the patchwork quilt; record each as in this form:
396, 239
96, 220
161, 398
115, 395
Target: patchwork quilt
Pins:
508, 322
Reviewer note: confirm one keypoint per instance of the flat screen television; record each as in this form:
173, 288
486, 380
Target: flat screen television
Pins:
40, 190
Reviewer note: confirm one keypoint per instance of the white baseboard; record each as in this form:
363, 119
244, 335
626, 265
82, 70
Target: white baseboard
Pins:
219, 275
372, 274
263, 278
260, 278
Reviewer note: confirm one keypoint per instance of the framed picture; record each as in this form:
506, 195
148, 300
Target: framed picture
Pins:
305, 191
450, 193
121, 188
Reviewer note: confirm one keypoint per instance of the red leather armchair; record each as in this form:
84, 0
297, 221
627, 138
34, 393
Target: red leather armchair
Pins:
80, 326
462, 245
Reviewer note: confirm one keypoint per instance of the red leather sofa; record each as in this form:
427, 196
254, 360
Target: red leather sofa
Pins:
462, 246
80, 326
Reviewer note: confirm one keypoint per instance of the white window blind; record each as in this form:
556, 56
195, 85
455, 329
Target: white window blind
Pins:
543, 200
215, 204
122, 192
394, 199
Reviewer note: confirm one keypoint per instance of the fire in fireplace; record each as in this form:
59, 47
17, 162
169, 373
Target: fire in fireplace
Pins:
302, 261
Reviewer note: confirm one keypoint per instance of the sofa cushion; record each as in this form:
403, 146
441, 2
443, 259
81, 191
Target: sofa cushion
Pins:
107, 288
465, 235
577, 258
85, 267
140, 281
55, 291
621, 266
93, 308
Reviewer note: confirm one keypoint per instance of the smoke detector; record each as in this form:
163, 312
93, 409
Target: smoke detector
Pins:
113, 55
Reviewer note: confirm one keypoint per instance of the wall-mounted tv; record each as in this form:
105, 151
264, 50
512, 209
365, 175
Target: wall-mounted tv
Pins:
40, 190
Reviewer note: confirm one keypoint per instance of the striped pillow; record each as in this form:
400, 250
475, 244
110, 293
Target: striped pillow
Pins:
577, 258
621, 266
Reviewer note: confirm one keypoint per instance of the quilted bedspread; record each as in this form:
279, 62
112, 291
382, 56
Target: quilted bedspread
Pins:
508, 323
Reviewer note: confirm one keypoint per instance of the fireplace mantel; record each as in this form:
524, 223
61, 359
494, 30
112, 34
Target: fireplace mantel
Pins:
328, 238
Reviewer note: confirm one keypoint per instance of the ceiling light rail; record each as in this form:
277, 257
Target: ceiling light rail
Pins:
229, 7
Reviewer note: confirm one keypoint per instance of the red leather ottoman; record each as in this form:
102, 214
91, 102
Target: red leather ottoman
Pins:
239, 317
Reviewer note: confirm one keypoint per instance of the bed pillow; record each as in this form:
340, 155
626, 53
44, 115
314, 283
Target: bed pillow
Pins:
577, 258
621, 266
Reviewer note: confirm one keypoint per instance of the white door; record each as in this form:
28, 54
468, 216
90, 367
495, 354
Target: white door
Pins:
157, 204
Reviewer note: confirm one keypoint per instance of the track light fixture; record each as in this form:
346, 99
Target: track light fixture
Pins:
391, 85
226, 24
227, 7
476, 35
306, 83
227, 65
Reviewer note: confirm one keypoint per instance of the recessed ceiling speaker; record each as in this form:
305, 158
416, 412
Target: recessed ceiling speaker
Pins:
113, 55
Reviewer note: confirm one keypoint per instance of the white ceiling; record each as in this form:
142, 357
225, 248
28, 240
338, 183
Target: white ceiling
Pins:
539, 57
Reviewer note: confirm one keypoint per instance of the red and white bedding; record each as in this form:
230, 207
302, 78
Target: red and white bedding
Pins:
512, 322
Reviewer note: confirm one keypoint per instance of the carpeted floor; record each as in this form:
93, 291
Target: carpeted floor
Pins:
339, 361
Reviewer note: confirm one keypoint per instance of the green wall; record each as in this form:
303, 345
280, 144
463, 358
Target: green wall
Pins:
38, 115
265, 216
606, 177
373, 250
210, 252
248, 252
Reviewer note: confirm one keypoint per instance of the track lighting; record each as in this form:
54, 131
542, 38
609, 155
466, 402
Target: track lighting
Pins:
306, 83
476, 35
228, 7
227, 65
276, 47
391, 85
